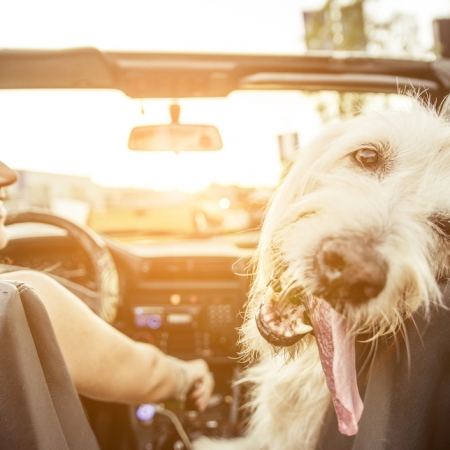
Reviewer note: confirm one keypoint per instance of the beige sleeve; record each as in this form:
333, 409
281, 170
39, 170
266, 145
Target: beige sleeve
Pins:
104, 363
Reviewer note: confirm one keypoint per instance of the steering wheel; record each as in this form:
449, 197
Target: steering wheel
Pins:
105, 299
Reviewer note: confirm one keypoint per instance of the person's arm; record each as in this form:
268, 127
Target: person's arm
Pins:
104, 363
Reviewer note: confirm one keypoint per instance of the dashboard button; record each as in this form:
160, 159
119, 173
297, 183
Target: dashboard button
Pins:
154, 321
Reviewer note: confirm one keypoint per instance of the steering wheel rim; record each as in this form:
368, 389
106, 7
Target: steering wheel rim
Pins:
105, 300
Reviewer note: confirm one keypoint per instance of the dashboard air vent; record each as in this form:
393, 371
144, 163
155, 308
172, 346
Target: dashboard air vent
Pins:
191, 268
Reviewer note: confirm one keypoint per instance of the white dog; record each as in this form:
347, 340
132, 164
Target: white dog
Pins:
354, 241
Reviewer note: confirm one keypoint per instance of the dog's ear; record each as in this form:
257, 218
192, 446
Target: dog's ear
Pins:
445, 109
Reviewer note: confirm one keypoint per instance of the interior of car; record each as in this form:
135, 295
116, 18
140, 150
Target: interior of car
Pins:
143, 181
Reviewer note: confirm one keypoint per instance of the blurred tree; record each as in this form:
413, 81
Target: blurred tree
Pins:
348, 27
396, 36
336, 27
441, 29
318, 28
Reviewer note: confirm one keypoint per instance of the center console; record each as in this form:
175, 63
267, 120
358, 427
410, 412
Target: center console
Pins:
190, 308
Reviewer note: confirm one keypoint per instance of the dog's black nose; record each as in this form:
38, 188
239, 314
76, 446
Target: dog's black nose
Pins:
349, 270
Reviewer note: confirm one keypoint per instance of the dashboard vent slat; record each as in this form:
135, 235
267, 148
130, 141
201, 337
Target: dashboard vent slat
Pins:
190, 268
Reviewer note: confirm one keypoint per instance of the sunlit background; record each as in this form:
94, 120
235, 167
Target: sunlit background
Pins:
244, 26
84, 133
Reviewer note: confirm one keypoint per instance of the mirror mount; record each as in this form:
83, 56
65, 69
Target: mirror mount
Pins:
174, 109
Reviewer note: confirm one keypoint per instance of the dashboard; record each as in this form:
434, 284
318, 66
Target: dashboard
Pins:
186, 298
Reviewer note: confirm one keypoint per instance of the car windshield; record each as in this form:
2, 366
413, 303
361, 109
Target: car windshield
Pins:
70, 148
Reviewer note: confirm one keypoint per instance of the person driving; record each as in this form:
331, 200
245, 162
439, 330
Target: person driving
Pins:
105, 364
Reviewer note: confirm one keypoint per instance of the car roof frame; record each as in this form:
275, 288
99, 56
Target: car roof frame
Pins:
184, 75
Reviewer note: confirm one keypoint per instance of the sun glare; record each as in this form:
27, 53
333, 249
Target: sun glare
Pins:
86, 133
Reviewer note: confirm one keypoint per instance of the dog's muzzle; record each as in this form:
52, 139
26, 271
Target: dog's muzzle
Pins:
349, 271
346, 271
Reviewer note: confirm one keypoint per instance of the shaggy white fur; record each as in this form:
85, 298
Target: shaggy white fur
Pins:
398, 207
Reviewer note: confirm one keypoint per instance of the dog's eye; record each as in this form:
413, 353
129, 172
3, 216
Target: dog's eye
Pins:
367, 157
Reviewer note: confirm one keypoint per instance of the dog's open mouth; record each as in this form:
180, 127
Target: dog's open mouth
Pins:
283, 323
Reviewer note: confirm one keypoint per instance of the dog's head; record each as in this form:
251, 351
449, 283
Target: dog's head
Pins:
359, 231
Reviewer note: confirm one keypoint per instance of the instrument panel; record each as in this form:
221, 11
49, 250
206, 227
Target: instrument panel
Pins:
191, 323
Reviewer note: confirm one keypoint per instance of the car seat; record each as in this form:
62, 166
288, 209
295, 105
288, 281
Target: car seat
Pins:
39, 406
405, 385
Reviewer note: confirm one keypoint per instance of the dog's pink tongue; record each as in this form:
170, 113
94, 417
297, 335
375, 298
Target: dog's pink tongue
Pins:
337, 355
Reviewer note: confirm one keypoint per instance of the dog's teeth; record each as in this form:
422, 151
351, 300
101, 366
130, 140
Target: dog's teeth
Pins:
268, 317
288, 334
278, 329
301, 327
270, 296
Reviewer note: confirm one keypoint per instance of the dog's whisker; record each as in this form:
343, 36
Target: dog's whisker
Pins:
408, 350
375, 342
397, 351
413, 321
368, 359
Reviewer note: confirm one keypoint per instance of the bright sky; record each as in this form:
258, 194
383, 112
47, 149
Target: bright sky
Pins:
263, 26
86, 132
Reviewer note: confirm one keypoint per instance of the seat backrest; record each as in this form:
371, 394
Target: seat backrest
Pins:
405, 387
39, 406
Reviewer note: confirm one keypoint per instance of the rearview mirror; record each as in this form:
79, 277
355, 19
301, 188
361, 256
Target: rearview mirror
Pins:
175, 137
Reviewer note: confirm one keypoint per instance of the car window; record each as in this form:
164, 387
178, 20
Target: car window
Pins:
70, 147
